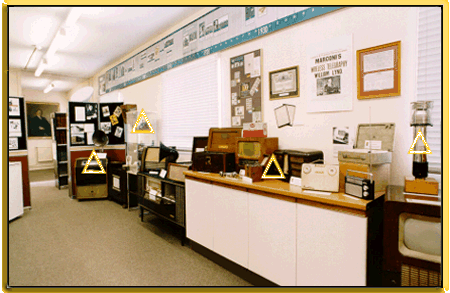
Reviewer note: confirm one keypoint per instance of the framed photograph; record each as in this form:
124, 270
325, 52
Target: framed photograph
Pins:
379, 71
14, 109
39, 115
175, 172
284, 83
13, 143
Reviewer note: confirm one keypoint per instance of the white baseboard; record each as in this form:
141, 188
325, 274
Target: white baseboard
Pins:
39, 168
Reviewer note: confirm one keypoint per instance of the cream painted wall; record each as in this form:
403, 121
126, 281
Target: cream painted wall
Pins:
370, 26
34, 143
15, 88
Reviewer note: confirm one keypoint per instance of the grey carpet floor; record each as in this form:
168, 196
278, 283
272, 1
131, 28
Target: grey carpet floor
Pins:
42, 175
64, 242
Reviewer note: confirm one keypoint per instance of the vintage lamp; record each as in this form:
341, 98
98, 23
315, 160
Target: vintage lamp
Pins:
420, 119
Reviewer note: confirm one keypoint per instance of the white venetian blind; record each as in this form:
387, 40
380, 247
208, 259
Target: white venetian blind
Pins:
429, 75
190, 101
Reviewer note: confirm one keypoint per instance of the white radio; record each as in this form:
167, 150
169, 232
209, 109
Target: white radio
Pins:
320, 177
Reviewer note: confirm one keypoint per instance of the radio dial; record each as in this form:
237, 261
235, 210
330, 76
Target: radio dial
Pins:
365, 187
366, 194
332, 171
306, 169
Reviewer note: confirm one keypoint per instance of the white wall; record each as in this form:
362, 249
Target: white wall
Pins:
370, 26
15, 89
34, 143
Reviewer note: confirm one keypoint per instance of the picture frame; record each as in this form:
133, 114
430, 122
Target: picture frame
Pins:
39, 119
175, 172
379, 71
284, 83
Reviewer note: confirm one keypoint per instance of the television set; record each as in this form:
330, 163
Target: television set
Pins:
412, 248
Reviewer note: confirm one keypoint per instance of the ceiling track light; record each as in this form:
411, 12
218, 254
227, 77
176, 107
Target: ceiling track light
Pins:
49, 88
57, 41
42, 65
36, 48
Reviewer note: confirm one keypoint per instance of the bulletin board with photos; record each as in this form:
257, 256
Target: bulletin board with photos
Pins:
86, 118
245, 84
16, 124
111, 122
83, 122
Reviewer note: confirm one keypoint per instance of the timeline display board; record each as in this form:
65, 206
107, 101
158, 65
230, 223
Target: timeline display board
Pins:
246, 88
86, 118
219, 29
16, 124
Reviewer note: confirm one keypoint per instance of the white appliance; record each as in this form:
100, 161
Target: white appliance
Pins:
15, 190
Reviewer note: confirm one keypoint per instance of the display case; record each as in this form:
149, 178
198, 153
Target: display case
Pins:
60, 161
163, 197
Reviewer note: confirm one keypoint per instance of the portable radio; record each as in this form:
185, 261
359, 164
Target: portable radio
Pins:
360, 187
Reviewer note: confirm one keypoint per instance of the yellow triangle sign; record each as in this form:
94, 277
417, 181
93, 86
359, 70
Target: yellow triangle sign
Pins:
273, 160
135, 127
86, 171
411, 149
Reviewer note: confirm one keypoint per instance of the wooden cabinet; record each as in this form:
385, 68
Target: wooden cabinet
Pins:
331, 247
199, 213
231, 224
272, 238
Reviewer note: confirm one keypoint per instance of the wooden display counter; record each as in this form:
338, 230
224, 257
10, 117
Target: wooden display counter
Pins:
285, 191
285, 235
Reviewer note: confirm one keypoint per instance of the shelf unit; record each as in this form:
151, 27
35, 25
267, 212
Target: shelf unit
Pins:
163, 197
60, 159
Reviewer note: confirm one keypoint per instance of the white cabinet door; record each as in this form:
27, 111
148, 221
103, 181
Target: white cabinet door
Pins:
199, 213
15, 190
231, 224
331, 248
272, 239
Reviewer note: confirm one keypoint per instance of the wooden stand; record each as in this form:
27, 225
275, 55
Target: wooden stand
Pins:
427, 185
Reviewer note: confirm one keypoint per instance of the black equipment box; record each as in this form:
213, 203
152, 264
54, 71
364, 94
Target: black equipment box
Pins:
291, 161
213, 162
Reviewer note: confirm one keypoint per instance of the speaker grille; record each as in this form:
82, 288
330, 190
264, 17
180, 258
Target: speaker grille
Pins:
414, 276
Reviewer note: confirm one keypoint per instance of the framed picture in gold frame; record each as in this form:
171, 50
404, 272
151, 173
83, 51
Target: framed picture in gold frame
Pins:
379, 71
284, 83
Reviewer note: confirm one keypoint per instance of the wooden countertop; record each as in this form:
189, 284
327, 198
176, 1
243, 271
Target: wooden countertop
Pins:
275, 187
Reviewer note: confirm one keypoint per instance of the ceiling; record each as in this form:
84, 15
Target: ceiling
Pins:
99, 36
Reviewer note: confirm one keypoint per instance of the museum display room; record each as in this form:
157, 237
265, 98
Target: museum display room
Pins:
225, 146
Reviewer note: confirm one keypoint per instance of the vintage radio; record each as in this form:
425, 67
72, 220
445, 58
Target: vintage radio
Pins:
381, 173
222, 139
213, 162
157, 158
360, 187
254, 171
250, 150
320, 177
200, 144
374, 145
291, 161
90, 185
412, 240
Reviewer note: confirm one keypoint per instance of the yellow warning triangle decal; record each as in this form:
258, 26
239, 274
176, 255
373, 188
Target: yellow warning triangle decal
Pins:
86, 171
273, 160
142, 115
411, 149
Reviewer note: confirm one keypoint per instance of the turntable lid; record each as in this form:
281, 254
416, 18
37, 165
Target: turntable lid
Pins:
382, 132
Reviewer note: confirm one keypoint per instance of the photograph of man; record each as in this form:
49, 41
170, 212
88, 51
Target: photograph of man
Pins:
329, 86
38, 125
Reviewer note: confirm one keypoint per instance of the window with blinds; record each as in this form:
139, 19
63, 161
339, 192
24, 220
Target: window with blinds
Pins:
429, 82
190, 102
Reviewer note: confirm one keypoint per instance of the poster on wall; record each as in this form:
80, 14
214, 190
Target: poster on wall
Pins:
330, 71
245, 84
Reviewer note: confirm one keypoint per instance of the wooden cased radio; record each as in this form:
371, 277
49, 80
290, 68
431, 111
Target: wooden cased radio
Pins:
253, 149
